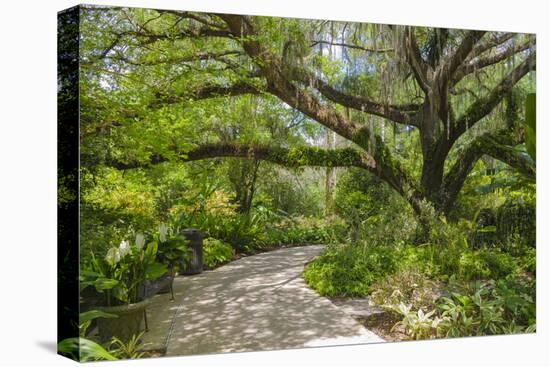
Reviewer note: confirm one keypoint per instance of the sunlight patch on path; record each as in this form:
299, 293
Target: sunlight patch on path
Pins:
258, 303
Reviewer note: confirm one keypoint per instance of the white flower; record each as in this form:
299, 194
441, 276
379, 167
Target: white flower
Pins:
124, 248
140, 240
162, 232
113, 256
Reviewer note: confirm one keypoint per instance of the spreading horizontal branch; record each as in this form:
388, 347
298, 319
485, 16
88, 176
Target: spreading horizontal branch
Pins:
200, 56
484, 105
484, 62
288, 157
482, 47
206, 92
188, 15
150, 37
350, 45
397, 113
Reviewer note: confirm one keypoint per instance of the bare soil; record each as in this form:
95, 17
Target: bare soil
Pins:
382, 324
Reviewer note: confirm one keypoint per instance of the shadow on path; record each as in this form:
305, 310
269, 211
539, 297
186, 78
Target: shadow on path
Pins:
255, 303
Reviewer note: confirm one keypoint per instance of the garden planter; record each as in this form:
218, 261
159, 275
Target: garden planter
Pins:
127, 324
165, 284
161, 285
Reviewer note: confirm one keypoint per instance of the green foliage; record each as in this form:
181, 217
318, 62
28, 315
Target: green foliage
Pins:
86, 318
129, 349
518, 216
213, 211
528, 261
84, 350
488, 309
216, 252
172, 249
477, 308
371, 209
139, 103
417, 324
530, 125
127, 197
302, 230
408, 287
120, 272
485, 264
348, 270
290, 192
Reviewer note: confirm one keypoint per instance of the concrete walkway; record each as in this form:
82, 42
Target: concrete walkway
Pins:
255, 303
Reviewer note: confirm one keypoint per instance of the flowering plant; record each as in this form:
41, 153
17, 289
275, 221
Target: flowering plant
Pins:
120, 273
172, 247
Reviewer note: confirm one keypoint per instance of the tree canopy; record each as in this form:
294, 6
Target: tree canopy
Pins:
415, 106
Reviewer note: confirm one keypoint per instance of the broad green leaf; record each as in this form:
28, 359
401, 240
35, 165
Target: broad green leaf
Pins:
84, 350
94, 314
488, 229
102, 284
151, 250
155, 271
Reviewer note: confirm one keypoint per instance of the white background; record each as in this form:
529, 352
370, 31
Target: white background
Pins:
28, 182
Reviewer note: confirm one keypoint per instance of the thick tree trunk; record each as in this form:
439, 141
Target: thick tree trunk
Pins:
243, 176
433, 156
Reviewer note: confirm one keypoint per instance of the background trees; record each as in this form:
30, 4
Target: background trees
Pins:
191, 86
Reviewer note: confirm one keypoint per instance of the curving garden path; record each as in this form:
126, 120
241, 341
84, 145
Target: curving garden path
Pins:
255, 303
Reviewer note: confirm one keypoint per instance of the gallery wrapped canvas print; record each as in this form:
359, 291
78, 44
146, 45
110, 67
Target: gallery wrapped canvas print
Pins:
233, 183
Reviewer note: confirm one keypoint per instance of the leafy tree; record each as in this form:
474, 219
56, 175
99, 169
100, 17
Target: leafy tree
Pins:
163, 84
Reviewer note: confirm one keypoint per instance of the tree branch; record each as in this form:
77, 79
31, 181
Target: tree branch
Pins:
482, 47
498, 145
189, 15
397, 113
206, 92
447, 69
149, 38
288, 157
481, 63
278, 84
484, 105
349, 45
178, 60
417, 64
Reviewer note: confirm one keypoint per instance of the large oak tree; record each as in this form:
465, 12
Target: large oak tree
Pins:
457, 89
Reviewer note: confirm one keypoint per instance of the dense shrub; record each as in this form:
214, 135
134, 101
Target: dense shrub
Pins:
473, 309
278, 189
484, 232
216, 252
517, 216
306, 230
501, 307
499, 264
464, 263
528, 261
215, 214
350, 270
371, 209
